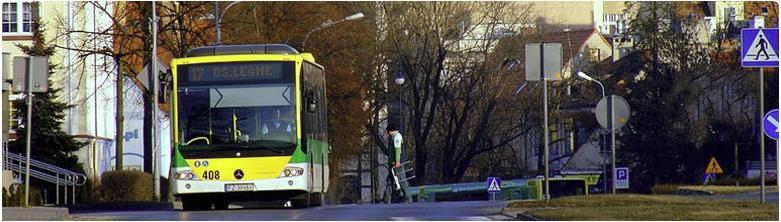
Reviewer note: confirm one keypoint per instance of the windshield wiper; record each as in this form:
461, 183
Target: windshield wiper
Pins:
224, 147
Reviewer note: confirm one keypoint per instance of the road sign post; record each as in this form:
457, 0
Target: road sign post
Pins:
759, 48
549, 68
26, 71
493, 186
770, 128
762, 138
612, 114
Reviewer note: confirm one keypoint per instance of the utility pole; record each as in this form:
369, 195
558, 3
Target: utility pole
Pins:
545, 123
611, 113
28, 127
153, 87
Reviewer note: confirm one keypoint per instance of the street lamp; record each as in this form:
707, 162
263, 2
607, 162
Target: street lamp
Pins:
328, 24
583, 75
218, 19
399, 78
511, 63
400, 82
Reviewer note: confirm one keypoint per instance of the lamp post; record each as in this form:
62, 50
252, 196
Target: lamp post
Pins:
400, 82
218, 19
328, 24
154, 87
583, 75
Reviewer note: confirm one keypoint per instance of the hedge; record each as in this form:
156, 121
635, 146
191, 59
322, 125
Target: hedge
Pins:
125, 186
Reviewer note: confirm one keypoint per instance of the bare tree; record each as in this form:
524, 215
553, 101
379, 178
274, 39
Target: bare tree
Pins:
127, 41
459, 101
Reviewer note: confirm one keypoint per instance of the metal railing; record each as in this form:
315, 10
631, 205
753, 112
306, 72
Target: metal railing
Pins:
46, 172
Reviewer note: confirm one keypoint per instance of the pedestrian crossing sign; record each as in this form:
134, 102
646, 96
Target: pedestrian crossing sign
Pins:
494, 185
713, 167
759, 48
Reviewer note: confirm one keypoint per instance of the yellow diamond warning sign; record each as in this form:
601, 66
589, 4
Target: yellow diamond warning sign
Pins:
713, 167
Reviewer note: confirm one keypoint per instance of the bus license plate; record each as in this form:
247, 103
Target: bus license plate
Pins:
239, 187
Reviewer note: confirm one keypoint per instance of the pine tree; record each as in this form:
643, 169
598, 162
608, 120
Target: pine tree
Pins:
50, 144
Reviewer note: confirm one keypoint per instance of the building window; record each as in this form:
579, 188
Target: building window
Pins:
730, 14
614, 23
27, 17
17, 17
9, 17
593, 55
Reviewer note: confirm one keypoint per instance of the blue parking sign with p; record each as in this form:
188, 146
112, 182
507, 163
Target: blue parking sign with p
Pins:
622, 174
759, 47
622, 178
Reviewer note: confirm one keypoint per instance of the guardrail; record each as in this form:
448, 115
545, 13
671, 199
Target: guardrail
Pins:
46, 172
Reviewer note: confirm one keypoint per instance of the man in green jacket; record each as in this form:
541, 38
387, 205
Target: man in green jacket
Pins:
399, 183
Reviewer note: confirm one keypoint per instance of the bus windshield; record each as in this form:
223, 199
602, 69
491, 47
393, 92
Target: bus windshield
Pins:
223, 111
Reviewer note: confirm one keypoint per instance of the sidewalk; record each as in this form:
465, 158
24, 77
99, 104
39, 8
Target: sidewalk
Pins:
34, 213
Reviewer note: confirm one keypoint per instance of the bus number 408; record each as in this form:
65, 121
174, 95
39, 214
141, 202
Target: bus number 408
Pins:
211, 175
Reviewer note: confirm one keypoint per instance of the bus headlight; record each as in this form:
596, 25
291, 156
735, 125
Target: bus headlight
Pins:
184, 175
292, 172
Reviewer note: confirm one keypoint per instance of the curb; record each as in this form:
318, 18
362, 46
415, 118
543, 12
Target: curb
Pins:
691, 192
520, 215
34, 213
120, 206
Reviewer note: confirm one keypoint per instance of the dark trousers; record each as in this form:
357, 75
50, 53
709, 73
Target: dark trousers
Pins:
403, 183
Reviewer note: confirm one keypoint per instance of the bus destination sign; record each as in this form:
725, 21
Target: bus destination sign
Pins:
234, 72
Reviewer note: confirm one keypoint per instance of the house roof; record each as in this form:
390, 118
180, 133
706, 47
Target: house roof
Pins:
574, 39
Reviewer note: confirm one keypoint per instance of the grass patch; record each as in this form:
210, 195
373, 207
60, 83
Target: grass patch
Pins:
645, 207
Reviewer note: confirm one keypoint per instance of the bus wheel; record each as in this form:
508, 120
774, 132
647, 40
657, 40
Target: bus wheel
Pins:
301, 203
189, 204
204, 204
221, 205
316, 200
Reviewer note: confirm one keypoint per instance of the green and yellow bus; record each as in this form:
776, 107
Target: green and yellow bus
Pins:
250, 124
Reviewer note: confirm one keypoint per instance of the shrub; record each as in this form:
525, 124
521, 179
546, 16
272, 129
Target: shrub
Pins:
125, 186
6, 197
87, 193
15, 197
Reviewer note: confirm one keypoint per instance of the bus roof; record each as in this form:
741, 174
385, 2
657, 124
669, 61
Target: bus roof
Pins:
242, 49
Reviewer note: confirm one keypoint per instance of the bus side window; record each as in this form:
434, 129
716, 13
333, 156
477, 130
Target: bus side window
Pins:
311, 101
305, 117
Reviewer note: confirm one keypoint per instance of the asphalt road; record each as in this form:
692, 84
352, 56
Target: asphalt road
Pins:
471, 210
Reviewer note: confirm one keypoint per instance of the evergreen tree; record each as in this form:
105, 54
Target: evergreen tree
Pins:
661, 143
49, 143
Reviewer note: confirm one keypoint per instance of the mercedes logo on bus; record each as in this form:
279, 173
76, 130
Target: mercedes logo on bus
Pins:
238, 174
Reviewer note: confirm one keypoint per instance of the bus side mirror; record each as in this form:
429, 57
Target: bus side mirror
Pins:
311, 103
